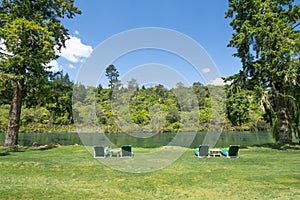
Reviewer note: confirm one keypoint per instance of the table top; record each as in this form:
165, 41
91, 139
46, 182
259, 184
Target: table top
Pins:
215, 149
215, 152
115, 150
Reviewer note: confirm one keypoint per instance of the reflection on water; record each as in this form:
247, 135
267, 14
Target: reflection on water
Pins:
157, 140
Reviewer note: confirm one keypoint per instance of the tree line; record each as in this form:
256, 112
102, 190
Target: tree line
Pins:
50, 106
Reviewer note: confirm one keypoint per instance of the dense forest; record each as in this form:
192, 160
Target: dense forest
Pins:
49, 106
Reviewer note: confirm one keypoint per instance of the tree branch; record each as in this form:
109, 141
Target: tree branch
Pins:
296, 25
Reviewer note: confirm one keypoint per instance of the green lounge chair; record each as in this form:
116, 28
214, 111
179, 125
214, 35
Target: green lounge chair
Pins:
203, 151
100, 152
232, 152
126, 151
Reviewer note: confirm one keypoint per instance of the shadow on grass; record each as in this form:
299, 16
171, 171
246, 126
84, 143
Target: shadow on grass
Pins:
292, 146
44, 147
4, 151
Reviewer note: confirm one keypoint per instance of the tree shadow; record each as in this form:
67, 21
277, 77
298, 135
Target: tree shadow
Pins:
43, 147
292, 146
4, 151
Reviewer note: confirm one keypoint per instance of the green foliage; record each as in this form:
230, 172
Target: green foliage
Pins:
153, 109
5, 89
205, 115
31, 116
173, 115
140, 117
112, 75
238, 107
60, 98
267, 43
79, 93
4, 110
31, 30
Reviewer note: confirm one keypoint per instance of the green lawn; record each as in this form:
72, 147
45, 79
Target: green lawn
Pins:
70, 172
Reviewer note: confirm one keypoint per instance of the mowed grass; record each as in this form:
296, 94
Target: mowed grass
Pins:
70, 172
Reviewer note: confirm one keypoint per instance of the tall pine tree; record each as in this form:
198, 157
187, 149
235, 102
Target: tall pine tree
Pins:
267, 42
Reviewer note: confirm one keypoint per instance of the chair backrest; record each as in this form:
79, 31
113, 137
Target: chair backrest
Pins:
203, 150
233, 150
126, 151
99, 151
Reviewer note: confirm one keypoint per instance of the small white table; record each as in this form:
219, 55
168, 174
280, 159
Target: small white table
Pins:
215, 152
114, 152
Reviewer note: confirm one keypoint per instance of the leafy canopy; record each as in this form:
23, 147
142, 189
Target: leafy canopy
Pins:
31, 30
266, 40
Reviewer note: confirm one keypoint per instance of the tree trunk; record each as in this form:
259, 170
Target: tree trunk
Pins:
13, 126
284, 132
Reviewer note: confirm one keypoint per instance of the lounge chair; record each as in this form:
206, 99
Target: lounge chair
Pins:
203, 151
126, 151
100, 152
232, 152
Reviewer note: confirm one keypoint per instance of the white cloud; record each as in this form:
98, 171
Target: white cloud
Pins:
54, 66
205, 70
2, 45
76, 32
71, 66
217, 81
75, 50
3, 49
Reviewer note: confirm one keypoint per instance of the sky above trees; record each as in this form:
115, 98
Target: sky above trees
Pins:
203, 21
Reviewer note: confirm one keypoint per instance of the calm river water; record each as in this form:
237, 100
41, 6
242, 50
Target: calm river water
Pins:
155, 140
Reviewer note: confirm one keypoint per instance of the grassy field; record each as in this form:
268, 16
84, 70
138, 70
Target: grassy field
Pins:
70, 172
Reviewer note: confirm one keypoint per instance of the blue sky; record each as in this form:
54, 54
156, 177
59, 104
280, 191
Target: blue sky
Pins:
202, 21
